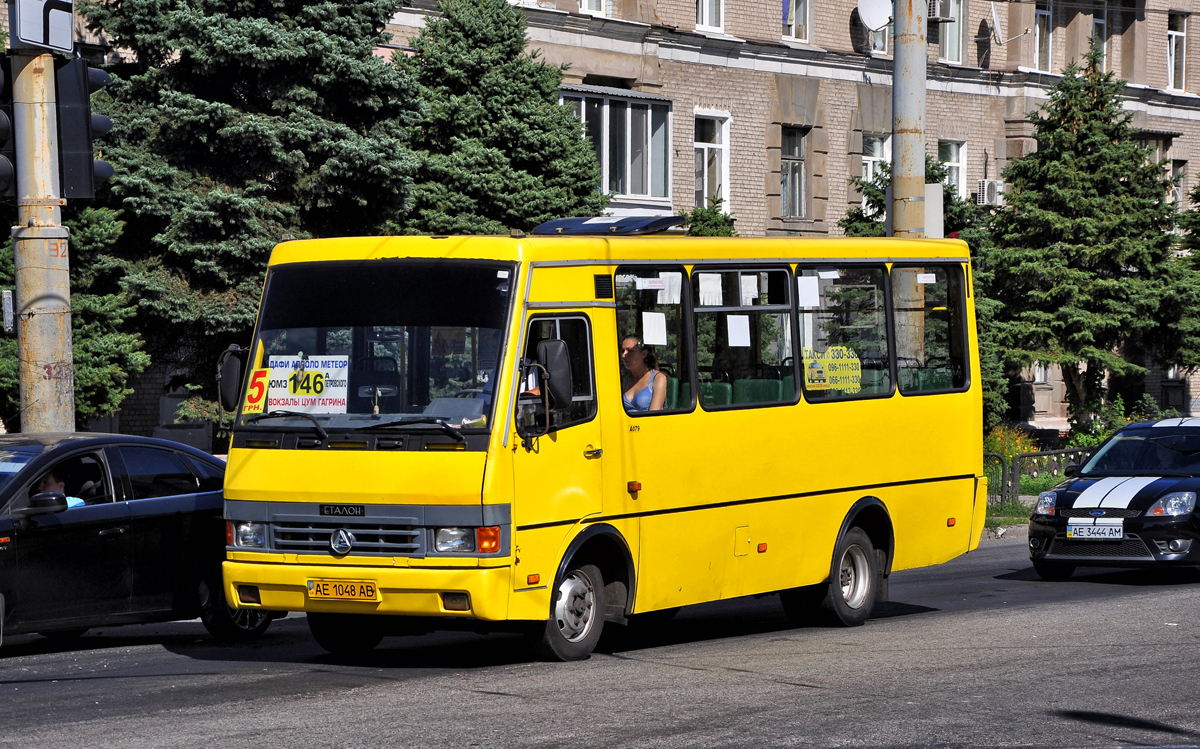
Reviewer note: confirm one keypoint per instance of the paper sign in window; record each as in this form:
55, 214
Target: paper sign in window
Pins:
739, 331
749, 290
809, 290
643, 284
828, 274
710, 289
926, 278
673, 288
654, 328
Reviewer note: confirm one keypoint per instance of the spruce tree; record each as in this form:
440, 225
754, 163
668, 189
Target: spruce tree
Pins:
1084, 264
106, 350
237, 125
497, 150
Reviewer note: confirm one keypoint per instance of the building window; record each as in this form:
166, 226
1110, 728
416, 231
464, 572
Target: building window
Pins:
876, 150
881, 40
1041, 374
631, 142
711, 152
953, 155
1176, 50
1043, 26
793, 192
709, 13
596, 7
1178, 176
1100, 32
795, 19
950, 35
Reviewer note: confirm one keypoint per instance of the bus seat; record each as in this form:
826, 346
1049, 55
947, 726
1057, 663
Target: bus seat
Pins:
685, 395
789, 388
909, 379
672, 400
757, 391
716, 393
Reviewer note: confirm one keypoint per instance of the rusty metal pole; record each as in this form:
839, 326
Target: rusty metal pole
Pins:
908, 119
40, 247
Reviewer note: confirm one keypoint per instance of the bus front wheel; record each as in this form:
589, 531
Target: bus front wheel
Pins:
576, 616
345, 634
849, 596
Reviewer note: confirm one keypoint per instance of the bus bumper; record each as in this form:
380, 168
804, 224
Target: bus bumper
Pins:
979, 515
403, 592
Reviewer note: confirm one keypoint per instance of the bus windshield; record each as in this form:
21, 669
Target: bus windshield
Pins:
368, 343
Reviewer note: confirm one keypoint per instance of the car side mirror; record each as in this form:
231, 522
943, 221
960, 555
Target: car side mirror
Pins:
229, 376
553, 355
45, 503
1071, 471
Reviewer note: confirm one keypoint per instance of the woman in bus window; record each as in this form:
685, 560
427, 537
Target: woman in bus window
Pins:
649, 390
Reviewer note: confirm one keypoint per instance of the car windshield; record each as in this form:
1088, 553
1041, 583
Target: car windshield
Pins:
13, 458
369, 343
1148, 451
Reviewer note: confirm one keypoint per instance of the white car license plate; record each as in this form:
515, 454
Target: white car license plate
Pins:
1106, 532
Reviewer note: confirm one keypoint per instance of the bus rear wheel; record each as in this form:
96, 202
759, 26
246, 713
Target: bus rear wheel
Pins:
345, 634
576, 616
849, 597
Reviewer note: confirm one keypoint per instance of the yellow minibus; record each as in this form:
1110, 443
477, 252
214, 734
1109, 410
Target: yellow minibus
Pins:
559, 431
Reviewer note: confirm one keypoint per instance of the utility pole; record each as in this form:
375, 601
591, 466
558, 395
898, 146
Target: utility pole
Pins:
908, 119
46, 366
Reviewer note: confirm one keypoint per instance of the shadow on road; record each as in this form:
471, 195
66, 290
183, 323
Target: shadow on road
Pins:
1151, 577
1122, 721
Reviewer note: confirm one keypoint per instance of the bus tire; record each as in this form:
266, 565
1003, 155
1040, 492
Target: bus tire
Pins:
1053, 571
576, 616
345, 634
849, 597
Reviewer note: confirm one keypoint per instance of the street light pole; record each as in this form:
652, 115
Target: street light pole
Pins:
40, 247
908, 119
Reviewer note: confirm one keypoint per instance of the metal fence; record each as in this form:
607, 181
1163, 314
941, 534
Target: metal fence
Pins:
1037, 471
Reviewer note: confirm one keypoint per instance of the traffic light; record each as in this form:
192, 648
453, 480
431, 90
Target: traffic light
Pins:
79, 173
8, 134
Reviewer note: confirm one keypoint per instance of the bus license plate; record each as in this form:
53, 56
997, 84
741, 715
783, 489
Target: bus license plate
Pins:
1097, 532
343, 590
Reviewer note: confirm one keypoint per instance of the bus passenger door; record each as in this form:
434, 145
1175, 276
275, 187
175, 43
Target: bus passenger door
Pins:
557, 475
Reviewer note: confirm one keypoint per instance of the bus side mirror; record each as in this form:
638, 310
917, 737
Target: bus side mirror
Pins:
1071, 471
553, 355
229, 376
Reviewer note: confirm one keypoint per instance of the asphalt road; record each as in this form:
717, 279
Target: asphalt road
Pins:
976, 652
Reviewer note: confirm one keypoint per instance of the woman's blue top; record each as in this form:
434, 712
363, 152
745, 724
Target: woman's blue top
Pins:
642, 398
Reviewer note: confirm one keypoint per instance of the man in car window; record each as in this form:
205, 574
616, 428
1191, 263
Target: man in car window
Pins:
51, 483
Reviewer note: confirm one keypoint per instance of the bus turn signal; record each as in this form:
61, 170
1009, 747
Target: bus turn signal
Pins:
487, 540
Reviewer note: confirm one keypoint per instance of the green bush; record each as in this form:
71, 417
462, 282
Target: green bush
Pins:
1008, 442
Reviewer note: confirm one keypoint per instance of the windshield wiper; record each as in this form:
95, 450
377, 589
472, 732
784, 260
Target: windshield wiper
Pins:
420, 421
280, 414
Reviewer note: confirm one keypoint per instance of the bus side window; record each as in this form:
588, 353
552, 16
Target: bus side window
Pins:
744, 352
576, 333
650, 309
844, 331
930, 327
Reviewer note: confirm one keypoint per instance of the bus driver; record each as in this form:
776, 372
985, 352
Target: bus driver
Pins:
649, 390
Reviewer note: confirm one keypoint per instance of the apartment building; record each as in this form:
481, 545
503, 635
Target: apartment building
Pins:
774, 106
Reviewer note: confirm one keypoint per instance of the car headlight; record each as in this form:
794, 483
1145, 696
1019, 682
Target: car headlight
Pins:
250, 534
1175, 503
1045, 503
454, 539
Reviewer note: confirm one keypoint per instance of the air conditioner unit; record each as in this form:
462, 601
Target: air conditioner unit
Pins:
941, 11
991, 192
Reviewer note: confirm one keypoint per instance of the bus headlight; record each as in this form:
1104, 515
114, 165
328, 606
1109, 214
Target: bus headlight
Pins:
250, 534
1045, 503
1175, 503
454, 539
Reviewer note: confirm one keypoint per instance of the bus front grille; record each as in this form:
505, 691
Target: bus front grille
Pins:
374, 539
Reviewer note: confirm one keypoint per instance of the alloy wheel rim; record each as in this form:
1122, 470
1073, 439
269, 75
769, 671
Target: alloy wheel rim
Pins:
854, 577
575, 610
247, 619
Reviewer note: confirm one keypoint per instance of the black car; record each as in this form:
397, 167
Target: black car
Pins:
100, 529
1132, 504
